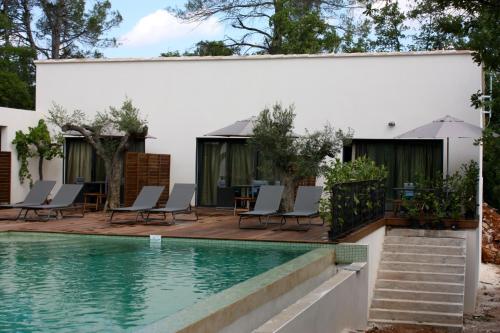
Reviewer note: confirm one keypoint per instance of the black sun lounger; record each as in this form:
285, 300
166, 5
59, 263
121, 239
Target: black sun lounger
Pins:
179, 202
306, 206
267, 204
36, 196
146, 200
64, 199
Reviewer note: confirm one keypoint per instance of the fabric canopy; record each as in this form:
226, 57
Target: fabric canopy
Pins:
446, 127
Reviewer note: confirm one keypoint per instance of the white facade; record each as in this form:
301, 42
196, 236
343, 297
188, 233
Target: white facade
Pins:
184, 98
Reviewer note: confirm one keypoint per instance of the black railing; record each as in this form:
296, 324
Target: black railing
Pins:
355, 204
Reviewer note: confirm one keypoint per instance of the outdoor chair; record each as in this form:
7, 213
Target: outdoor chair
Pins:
146, 200
36, 196
63, 200
179, 202
267, 205
306, 206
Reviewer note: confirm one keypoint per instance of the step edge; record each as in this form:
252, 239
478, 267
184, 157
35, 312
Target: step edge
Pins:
418, 291
415, 272
415, 301
424, 282
452, 314
421, 263
425, 245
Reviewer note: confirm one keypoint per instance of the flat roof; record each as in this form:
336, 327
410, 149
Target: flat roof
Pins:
260, 57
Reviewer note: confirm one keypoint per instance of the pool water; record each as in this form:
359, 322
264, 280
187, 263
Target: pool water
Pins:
68, 283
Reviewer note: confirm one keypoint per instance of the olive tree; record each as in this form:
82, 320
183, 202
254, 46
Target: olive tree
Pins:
289, 156
37, 142
109, 133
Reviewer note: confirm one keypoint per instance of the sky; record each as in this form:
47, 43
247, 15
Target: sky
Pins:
148, 29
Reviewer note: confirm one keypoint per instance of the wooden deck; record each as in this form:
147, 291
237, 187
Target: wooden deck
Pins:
213, 224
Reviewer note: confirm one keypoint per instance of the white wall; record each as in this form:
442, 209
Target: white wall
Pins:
338, 305
375, 242
185, 98
12, 120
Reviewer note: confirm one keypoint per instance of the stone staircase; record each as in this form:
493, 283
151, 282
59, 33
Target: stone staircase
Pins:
421, 279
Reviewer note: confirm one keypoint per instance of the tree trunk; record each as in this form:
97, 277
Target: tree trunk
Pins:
114, 175
289, 192
40, 168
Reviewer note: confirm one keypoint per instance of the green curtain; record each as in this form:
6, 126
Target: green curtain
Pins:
241, 164
405, 160
212, 158
79, 161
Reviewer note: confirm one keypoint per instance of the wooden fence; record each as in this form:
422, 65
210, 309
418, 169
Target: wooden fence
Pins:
143, 169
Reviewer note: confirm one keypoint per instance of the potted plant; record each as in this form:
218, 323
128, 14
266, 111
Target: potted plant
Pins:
468, 188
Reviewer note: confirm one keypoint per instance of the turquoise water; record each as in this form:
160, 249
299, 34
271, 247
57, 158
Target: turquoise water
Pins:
57, 283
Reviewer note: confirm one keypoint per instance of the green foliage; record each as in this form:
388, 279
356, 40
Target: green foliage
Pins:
439, 30
287, 153
360, 169
303, 30
449, 197
14, 93
337, 173
205, 48
37, 142
491, 167
356, 36
128, 119
389, 26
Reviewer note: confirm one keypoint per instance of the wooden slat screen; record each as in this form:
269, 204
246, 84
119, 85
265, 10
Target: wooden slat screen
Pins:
143, 169
5, 174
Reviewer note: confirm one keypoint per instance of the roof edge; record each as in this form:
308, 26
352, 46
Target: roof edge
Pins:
259, 57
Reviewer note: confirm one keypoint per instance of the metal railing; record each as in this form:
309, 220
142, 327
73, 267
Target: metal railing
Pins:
355, 204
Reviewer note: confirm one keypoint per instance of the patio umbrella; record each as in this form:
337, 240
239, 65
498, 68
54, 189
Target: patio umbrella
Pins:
446, 127
241, 128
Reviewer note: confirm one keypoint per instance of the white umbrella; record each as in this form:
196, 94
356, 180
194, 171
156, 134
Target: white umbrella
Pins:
241, 128
446, 127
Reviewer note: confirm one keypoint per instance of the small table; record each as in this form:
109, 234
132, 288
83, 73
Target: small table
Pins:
245, 199
98, 199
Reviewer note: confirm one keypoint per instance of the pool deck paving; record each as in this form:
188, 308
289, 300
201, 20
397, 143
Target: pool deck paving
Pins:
212, 224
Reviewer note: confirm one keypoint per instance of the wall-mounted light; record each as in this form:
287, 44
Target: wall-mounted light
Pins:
391, 124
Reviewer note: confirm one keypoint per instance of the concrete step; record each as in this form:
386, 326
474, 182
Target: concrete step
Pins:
426, 233
421, 267
444, 287
414, 305
424, 241
417, 316
423, 258
449, 328
425, 249
421, 276
433, 296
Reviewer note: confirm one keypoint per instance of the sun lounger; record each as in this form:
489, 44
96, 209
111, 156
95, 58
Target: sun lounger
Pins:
63, 200
179, 202
36, 196
267, 205
306, 206
146, 200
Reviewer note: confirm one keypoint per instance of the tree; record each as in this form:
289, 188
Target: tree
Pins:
36, 143
109, 133
272, 27
62, 28
438, 30
17, 72
389, 26
356, 35
292, 157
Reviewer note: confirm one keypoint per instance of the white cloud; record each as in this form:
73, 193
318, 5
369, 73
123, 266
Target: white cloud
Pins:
162, 26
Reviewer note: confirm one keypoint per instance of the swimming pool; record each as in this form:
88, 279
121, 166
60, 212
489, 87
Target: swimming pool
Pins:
68, 283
